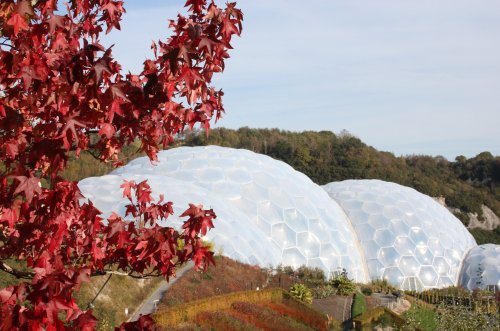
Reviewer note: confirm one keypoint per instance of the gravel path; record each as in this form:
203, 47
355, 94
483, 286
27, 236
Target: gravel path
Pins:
148, 306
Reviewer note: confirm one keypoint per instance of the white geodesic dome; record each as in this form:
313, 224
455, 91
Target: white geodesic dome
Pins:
481, 268
407, 237
268, 213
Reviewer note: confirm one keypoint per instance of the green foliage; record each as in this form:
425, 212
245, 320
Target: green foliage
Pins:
344, 285
422, 317
372, 317
366, 290
462, 318
312, 277
486, 237
324, 291
222, 320
268, 319
170, 316
301, 293
359, 305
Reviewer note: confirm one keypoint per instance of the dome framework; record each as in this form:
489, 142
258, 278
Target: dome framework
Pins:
270, 214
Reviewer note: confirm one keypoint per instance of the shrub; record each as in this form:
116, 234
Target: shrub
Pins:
166, 317
301, 293
221, 320
324, 291
460, 318
381, 286
366, 290
420, 316
311, 276
344, 285
359, 305
265, 318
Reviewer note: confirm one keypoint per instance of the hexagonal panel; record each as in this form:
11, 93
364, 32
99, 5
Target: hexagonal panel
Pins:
404, 246
308, 244
371, 249
378, 221
270, 211
428, 276
418, 236
394, 276
409, 265
296, 220
293, 257
441, 266
424, 255
283, 235
388, 256
384, 237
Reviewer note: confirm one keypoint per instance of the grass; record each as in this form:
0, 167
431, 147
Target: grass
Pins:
359, 305
269, 309
226, 276
7, 279
267, 319
119, 293
222, 320
425, 318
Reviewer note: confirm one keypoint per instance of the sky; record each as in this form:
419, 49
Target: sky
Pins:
405, 76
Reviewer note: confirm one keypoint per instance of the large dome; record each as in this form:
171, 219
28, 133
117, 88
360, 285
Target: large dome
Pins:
481, 268
268, 213
407, 237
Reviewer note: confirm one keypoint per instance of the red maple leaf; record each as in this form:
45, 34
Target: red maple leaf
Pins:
59, 88
29, 186
18, 22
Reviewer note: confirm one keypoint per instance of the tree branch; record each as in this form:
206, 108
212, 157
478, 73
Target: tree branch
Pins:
129, 274
15, 272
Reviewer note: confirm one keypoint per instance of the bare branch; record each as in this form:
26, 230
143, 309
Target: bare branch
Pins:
130, 274
15, 272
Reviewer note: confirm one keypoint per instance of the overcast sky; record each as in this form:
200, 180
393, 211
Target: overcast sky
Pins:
409, 77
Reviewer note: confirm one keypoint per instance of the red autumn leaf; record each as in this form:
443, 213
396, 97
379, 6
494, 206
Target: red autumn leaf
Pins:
143, 192
196, 5
60, 87
29, 186
18, 22
12, 149
107, 130
127, 187
54, 22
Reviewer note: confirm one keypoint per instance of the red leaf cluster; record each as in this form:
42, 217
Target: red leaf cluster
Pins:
61, 91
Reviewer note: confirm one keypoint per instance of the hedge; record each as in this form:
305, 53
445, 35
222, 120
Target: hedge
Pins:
174, 315
363, 321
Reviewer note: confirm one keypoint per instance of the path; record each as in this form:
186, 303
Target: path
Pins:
148, 306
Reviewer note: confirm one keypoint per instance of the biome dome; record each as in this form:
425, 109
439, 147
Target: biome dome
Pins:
268, 213
244, 246
481, 268
407, 237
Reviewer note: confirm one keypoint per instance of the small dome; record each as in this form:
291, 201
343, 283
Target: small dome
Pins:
481, 268
407, 237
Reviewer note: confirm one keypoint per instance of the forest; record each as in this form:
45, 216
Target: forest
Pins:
465, 183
